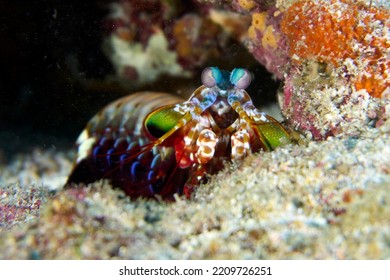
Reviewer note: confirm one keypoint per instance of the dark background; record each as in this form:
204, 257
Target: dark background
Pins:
42, 98
54, 75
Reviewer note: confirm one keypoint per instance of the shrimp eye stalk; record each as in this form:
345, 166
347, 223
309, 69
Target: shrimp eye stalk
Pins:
240, 78
211, 76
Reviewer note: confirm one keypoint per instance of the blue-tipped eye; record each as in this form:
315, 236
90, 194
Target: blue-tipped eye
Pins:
241, 78
211, 76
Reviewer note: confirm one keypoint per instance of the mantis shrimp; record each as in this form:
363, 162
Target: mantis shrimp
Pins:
152, 143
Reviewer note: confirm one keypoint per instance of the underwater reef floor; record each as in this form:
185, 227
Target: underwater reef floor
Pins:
321, 200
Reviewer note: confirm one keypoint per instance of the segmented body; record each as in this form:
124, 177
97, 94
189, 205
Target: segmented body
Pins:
152, 144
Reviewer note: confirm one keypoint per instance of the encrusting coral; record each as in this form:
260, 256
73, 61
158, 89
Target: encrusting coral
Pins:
339, 67
266, 42
336, 32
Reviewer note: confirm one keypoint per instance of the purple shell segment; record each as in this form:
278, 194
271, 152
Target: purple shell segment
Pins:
114, 146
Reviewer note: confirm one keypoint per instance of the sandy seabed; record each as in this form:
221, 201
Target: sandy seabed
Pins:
319, 200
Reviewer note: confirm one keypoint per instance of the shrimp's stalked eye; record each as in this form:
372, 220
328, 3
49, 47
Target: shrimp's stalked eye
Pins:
211, 76
161, 120
241, 78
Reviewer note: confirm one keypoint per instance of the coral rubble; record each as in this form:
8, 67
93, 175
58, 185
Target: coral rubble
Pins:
147, 39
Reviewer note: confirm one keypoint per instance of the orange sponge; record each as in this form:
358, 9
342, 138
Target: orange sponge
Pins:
331, 31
